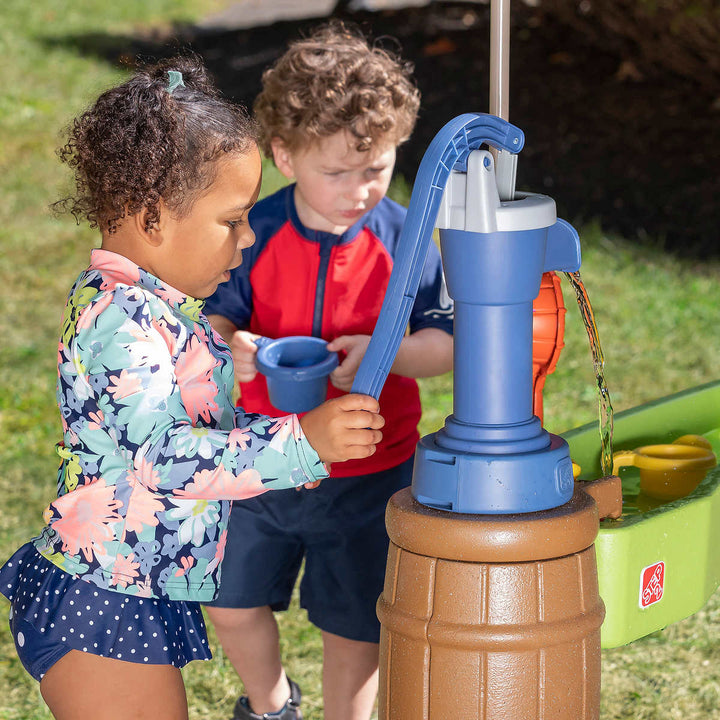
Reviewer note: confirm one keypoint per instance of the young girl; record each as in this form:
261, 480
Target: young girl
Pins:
105, 601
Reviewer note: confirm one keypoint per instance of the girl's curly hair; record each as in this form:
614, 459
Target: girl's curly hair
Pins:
139, 143
332, 81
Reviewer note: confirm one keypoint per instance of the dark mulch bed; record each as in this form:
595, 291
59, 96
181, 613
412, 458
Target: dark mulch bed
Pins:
638, 151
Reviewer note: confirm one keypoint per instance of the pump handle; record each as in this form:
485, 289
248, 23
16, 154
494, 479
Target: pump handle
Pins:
448, 151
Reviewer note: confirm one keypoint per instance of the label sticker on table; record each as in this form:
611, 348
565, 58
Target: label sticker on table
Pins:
652, 584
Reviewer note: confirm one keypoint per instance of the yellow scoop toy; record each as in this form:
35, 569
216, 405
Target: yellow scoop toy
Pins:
670, 471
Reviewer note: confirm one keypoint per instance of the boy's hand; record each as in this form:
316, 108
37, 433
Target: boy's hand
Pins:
243, 347
345, 428
354, 347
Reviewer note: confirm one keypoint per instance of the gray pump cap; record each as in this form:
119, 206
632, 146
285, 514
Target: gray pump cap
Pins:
471, 202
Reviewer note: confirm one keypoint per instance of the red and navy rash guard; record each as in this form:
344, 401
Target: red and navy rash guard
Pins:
297, 281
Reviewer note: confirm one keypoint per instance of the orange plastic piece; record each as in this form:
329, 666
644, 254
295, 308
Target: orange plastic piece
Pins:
548, 331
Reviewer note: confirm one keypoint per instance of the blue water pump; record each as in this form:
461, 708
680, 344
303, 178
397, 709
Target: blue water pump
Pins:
492, 456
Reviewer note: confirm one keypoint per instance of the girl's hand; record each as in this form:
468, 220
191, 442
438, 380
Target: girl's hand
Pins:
354, 347
243, 347
345, 428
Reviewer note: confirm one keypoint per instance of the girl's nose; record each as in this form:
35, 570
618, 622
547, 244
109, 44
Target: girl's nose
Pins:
247, 240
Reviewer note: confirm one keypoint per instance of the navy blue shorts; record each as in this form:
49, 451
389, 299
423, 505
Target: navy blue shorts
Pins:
338, 528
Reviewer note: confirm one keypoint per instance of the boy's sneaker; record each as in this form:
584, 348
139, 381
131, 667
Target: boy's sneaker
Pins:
289, 711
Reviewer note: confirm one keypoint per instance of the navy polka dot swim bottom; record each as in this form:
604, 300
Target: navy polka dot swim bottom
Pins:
51, 613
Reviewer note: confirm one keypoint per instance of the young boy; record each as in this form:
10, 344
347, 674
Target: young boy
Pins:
332, 112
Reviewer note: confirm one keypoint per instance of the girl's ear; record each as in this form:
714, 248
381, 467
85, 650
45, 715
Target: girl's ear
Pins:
153, 235
282, 157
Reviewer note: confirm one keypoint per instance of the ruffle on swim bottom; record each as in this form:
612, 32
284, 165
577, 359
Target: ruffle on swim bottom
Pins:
106, 623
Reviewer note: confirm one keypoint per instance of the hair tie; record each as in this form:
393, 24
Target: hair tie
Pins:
175, 80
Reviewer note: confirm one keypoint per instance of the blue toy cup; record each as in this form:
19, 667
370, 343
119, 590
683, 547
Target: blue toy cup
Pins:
297, 369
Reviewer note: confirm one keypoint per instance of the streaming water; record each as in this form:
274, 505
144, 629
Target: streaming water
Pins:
605, 409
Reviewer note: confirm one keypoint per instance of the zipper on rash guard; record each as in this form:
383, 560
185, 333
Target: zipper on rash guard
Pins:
326, 246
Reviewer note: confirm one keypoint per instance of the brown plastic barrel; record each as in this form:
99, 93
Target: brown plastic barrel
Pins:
490, 617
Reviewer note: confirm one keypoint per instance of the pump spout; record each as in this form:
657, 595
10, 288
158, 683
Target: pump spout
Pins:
563, 248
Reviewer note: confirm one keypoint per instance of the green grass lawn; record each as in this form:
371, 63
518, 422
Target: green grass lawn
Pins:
656, 315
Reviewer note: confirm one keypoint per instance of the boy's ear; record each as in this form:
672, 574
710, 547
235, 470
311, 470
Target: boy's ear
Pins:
282, 157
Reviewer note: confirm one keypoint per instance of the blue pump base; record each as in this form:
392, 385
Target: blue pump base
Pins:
492, 484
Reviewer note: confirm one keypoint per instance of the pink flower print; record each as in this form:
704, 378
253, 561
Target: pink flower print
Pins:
86, 514
144, 587
73, 439
284, 428
170, 294
124, 570
279, 424
162, 329
199, 331
144, 472
143, 509
125, 385
220, 547
95, 420
187, 563
250, 484
219, 552
193, 370
115, 269
219, 484
238, 438
90, 314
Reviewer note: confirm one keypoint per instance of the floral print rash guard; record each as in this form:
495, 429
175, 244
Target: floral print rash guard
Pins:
154, 451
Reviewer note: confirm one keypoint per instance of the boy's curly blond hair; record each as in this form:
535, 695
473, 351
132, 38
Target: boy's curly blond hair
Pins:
333, 81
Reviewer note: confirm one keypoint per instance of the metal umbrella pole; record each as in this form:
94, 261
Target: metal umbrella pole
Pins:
505, 162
